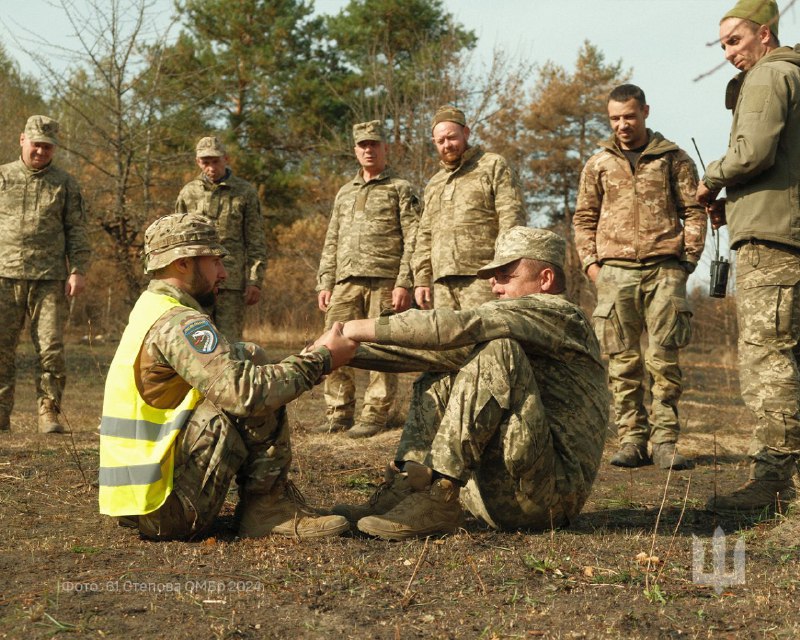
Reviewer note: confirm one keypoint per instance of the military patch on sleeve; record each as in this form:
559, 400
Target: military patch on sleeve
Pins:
202, 335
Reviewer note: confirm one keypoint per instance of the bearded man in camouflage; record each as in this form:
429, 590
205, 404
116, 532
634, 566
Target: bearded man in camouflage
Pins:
365, 270
232, 203
760, 172
511, 417
472, 198
185, 411
44, 255
640, 233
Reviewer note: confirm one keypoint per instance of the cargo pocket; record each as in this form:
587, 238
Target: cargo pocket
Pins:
608, 328
679, 331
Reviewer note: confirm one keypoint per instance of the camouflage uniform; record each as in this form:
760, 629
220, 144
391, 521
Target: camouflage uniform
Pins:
43, 239
647, 232
760, 172
465, 207
367, 253
514, 405
239, 429
232, 203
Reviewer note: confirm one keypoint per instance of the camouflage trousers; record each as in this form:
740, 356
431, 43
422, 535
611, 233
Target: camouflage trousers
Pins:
212, 449
44, 302
356, 299
768, 310
461, 292
630, 301
486, 426
228, 313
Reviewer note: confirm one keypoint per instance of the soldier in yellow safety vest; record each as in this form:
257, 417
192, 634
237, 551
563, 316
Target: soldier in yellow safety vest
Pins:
185, 411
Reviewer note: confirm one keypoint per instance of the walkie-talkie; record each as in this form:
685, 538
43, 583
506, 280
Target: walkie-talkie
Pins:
720, 267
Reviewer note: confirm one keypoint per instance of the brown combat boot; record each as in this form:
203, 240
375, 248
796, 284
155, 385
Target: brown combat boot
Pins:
331, 426
48, 417
631, 455
665, 456
284, 512
423, 513
365, 430
754, 495
396, 486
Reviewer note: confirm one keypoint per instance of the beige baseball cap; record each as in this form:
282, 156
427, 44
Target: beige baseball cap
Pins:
41, 129
210, 147
525, 242
372, 130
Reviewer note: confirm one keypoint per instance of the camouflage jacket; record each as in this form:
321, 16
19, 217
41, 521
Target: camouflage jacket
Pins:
652, 212
371, 232
464, 210
42, 224
233, 205
170, 363
761, 168
562, 347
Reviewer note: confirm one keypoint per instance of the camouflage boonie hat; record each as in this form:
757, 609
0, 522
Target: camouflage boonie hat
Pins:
179, 235
758, 11
524, 242
41, 129
449, 113
372, 130
210, 147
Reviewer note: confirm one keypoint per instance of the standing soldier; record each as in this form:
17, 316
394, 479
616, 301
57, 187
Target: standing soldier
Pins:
468, 202
232, 203
365, 270
761, 172
640, 233
44, 254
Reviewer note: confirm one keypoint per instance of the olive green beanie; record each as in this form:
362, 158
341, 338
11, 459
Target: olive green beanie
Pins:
758, 11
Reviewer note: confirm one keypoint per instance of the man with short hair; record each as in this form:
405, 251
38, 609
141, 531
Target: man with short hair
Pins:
365, 270
44, 255
639, 234
761, 172
511, 417
233, 205
472, 198
185, 411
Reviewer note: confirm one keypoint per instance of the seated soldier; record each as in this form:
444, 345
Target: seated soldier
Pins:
512, 414
185, 411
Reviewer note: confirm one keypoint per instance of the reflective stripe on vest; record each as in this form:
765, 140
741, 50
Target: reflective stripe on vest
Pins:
137, 441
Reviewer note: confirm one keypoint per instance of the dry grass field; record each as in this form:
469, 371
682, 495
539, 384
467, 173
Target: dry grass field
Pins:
623, 570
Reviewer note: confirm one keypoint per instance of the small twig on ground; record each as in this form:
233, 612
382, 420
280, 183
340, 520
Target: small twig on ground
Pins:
72, 449
477, 575
655, 528
675, 531
407, 593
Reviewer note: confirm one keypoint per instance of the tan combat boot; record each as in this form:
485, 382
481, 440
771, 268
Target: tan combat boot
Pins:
631, 456
754, 495
284, 512
665, 456
396, 486
48, 417
423, 513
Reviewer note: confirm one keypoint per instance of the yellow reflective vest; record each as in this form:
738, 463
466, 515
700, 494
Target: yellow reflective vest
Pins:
137, 441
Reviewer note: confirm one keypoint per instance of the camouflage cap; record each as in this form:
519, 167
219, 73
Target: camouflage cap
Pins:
372, 130
41, 129
179, 235
758, 11
449, 113
210, 147
524, 242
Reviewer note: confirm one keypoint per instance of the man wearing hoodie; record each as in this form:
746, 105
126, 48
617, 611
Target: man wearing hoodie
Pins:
761, 173
640, 233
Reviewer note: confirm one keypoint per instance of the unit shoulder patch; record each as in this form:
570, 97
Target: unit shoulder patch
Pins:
202, 335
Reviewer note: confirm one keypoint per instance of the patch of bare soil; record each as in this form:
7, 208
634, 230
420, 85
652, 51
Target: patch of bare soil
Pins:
624, 569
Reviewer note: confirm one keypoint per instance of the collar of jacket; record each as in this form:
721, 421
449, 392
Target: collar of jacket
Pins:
781, 54
165, 289
34, 172
220, 182
386, 173
656, 145
469, 156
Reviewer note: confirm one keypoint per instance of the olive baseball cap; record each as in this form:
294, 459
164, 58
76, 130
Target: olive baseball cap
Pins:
758, 11
524, 242
179, 235
372, 130
41, 129
210, 147
449, 113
